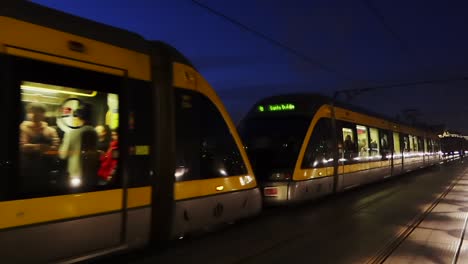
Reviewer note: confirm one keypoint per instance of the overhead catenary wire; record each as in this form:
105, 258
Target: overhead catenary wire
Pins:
357, 91
321, 65
381, 19
277, 43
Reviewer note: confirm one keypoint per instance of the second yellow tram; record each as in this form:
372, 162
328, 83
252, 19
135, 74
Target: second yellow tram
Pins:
301, 146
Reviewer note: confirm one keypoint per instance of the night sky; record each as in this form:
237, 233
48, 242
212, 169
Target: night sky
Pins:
338, 44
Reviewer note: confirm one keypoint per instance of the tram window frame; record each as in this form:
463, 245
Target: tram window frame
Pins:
26, 69
141, 133
194, 135
420, 144
437, 146
218, 142
396, 144
8, 152
347, 151
320, 133
426, 145
374, 150
363, 148
385, 149
411, 143
404, 138
187, 129
430, 146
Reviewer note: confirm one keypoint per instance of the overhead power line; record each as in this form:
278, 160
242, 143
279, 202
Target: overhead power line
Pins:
385, 25
358, 91
273, 41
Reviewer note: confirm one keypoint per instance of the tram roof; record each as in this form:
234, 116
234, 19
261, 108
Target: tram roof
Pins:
51, 18
309, 103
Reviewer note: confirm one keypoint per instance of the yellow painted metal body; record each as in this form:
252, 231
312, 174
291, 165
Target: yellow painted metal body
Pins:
357, 118
37, 42
45, 209
32, 41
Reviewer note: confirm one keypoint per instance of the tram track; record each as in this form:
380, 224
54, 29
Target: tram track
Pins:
393, 245
377, 197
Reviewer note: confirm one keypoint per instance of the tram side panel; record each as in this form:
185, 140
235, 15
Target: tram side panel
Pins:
50, 195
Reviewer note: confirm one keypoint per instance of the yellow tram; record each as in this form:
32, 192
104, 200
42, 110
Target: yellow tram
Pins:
302, 146
110, 141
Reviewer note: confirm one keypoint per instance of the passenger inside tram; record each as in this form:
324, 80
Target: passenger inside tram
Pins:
79, 148
60, 147
38, 144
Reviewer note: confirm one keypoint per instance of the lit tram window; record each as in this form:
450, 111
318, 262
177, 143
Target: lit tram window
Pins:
65, 136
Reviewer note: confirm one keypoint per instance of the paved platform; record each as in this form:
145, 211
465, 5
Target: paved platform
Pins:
439, 235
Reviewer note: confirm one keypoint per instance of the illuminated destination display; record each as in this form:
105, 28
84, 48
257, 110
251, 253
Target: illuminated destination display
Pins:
276, 107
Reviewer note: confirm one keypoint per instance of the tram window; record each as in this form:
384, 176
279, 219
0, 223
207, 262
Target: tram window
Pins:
205, 147
436, 146
413, 143
362, 141
319, 149
420, 145
396, 143
59, 147
405, 143
187, 135
429, 146
349, 144
374, 144
219, 154
385, 143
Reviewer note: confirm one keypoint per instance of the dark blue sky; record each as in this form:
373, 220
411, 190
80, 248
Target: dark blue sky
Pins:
348, 44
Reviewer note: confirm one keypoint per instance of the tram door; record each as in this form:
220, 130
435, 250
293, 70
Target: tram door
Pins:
62, 190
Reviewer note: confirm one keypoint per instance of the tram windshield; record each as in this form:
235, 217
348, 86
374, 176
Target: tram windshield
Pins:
273, 143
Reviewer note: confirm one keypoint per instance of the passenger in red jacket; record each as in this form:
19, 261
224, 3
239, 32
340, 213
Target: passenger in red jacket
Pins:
109, 159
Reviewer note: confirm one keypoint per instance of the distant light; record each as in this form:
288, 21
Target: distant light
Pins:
220, 188
261, 108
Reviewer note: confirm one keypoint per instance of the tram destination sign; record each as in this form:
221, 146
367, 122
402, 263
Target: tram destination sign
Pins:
276, 107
